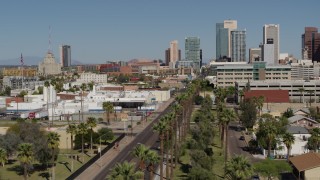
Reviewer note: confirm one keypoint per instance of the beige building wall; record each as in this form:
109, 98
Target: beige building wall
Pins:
231, 25
312, 174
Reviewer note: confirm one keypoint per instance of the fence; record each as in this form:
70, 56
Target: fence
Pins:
94, 159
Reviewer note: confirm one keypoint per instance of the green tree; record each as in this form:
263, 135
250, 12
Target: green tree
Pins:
314, 140
228, 115
91, 123
239, 168
53, 144
301, 90
125, 171
108, 108
248, 115
310, 93
3, 156
259, 103
268, 131
152, 159
105, 134
141, 152
72, 130
161, 128
288, 140
82, 129
198, 173
288, 113
83, 87
25, 156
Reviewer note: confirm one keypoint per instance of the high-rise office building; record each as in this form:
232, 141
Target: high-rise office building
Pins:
238, 45
311, 43
271, 31
254, 55
173, 54
65, 55
192, 51
223, 38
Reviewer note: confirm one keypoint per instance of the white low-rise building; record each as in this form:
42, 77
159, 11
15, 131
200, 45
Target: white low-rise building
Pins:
299, 146
87, 77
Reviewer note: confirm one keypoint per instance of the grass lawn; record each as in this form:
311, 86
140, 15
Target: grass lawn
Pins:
62, 168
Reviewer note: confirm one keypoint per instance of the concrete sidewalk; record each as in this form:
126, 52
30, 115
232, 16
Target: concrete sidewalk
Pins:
96, 167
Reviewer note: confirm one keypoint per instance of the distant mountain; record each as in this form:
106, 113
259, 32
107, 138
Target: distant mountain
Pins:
27, 60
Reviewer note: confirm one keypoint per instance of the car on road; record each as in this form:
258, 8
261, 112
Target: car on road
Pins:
242, 138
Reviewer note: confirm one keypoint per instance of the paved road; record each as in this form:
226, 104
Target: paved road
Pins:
235, 144
147, 137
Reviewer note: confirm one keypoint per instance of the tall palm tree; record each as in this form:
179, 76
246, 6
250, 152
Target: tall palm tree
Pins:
301, 90
259, 103
83, 87
228, 116
140, 152
241, 94
125, 171
108, 108
3, 156
152, 159
177, 111
91, 123
72, 129
47, 84
53, 143
239, 168
310, 93
82, 129
288, 140
25, 156
161, 128
268, 130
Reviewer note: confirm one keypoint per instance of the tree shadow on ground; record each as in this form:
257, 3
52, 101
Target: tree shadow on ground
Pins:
45, 175
17, 168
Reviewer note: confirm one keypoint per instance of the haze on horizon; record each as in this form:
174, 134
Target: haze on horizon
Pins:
122, 30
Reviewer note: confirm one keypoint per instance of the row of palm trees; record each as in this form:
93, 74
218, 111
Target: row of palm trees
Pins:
26, 155
172, 129
82, 129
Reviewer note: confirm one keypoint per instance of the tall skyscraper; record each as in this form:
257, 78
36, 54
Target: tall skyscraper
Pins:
238, 45
223, 38
65, 55
192, 51
271, 31
311, 43
173, 54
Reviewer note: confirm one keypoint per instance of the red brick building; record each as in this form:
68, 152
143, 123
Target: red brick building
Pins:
270, 96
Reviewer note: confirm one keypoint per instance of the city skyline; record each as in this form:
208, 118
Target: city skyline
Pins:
101, 30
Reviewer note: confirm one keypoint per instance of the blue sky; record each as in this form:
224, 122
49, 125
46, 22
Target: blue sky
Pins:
100, 30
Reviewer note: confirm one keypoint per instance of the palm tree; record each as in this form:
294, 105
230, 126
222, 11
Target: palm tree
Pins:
239, 168
47, 84
53, 144
91, 123
268, 130
25, 156
288, 140
108, 108
140, 152
177, 112
72, 129
228, 115
152, 159
82, 129
83, 87
161, 128
301, 90
3, 156
241, 94
125, 171
259, 103
310, 92
314, 140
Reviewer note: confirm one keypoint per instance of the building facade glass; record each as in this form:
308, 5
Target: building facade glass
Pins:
238, 39
192, 51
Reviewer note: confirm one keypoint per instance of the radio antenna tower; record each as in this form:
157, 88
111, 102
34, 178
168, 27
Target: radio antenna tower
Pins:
49, 48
